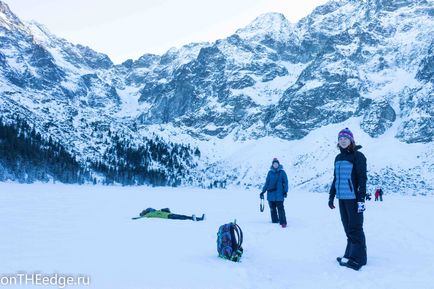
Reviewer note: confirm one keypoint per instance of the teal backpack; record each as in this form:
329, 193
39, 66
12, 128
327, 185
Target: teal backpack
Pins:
229, 241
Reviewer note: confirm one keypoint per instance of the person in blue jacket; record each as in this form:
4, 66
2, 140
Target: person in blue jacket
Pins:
349, 186
276, 186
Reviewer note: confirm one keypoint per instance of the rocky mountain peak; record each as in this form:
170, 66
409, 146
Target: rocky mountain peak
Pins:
273, 25
7, 17
393, 5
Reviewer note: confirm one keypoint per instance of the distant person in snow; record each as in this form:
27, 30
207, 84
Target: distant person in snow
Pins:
276, 186
379, 194
349, 186
166, 214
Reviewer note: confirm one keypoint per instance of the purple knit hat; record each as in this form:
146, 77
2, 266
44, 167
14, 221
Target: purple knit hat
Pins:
275, 160
346, 133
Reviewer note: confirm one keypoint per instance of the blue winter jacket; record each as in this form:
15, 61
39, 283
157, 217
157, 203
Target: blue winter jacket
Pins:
349, 181
278, 177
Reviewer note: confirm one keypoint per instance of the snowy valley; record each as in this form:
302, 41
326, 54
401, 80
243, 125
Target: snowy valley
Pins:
213, 114
87, 144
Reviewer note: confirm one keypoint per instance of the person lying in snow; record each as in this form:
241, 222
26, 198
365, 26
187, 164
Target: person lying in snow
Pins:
166, 214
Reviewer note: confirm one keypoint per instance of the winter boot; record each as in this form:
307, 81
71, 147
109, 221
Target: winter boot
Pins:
353, 265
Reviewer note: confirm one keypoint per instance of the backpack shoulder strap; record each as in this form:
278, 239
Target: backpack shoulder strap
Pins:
239, 233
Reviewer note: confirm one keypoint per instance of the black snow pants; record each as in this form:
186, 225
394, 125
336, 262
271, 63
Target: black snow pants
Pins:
179, 217
353, 226
277, 212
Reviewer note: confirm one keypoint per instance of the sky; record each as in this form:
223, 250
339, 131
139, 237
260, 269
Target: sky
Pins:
130, 28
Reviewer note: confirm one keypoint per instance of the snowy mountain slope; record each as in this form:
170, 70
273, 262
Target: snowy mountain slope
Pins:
362, 64
348, 58
87, 230
395, 166
65, 92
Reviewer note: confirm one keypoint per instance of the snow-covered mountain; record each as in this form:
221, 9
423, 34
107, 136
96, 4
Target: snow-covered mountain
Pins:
272, 83
271, 78
61, 90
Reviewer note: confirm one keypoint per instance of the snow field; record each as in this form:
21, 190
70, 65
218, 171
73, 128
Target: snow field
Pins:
87, 230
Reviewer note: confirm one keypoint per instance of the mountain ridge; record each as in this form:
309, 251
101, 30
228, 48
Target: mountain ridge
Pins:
367, 60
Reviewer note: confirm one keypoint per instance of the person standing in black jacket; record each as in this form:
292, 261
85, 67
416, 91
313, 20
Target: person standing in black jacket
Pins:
349, 186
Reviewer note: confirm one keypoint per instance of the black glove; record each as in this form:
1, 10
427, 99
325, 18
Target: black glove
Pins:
285, 195
261, 195
331, 205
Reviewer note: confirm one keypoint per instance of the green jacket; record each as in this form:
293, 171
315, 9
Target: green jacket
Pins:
157, 214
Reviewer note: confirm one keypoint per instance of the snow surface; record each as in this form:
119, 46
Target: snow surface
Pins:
130, 102
270, 92
87, 230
